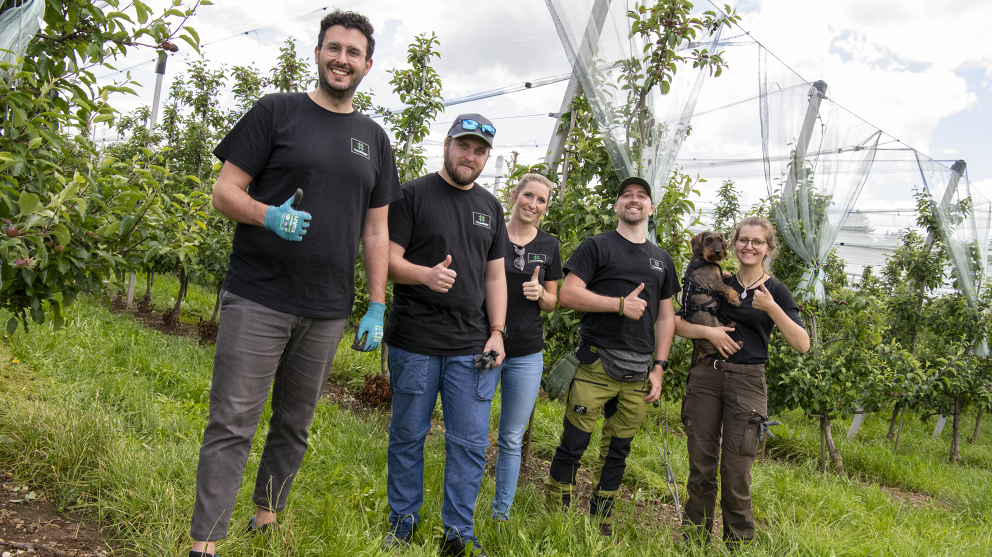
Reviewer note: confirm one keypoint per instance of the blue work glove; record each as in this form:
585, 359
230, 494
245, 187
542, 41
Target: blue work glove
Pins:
287, 222
370, 328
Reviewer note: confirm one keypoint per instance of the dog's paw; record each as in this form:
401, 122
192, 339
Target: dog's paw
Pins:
727, 274
733, 298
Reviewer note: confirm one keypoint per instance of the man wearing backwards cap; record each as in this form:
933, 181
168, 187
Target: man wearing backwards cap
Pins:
446, 240
623, 285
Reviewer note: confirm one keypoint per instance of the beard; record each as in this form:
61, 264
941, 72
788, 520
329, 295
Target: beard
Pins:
640, 219
337, 91
457, 174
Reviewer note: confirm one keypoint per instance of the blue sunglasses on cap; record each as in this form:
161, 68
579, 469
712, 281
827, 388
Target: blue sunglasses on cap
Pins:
472, 125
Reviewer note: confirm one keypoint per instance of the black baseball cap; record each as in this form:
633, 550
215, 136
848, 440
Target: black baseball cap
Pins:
634, 180
473, 124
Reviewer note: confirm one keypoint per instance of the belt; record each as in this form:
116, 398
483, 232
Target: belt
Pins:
755, 370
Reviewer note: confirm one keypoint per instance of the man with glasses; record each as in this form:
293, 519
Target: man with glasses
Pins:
445, 333
290, 284
623, 285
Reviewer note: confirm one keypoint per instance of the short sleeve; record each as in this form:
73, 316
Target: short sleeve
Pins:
401, 218
501, 243
783, 297
554, 266
672, 286
583, 261
249, 144
387, 186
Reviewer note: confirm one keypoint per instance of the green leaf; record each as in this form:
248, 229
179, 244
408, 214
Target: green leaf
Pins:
28, 202
11, 325
61, 232
103, 118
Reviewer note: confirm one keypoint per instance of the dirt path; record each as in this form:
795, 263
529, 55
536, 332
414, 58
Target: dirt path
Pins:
30, 525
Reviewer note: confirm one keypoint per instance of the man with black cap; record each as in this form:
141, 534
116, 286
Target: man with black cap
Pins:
445, 332
623, 285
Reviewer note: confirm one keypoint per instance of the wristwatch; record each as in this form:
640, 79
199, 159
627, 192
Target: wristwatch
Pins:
662, 363
500, 328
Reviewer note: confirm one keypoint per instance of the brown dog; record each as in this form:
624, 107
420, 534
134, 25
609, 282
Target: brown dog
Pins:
702, 284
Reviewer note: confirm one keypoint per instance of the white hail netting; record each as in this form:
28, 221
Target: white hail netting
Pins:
17, 26
816, 158
597, 42
963, 214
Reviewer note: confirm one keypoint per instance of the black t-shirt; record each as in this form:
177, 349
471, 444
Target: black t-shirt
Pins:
754, 326
613, 266
344, 164
525, 334
432, 220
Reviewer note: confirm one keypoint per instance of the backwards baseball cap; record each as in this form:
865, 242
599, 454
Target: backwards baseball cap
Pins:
473, 124
634, 180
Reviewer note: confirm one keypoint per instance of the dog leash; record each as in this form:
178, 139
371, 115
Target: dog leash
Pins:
665, 458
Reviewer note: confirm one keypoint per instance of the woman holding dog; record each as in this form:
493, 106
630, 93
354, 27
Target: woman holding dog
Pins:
725, 394
533, 268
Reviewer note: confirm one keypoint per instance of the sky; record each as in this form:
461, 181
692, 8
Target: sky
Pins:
920, 70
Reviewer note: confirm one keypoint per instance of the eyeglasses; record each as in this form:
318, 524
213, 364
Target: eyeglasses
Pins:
519, 261
352, 53
743, 242
472, 125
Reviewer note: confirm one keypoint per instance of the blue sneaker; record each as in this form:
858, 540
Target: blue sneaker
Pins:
400, 534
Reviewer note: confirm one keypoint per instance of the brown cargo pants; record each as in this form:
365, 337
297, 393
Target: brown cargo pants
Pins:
716, 402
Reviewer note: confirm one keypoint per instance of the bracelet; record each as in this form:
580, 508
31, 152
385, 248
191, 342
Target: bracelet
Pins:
541, 297
621, 306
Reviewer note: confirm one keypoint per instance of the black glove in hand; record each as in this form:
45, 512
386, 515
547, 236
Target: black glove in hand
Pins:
485, 360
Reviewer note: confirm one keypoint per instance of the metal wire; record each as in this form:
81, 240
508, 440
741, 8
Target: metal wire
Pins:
665, 458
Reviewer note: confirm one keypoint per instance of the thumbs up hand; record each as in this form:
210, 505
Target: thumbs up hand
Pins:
440, 278
533, 288
763, 299
633, 305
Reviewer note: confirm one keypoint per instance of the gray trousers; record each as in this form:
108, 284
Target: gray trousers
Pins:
258, 347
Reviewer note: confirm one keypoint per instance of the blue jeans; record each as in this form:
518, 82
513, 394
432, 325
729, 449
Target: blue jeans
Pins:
466, 397
521, 379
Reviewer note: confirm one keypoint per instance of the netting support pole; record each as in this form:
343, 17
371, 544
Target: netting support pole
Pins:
957, 170
816, 94
159, 75
556, 147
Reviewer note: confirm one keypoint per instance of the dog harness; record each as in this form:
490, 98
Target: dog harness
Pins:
690, 288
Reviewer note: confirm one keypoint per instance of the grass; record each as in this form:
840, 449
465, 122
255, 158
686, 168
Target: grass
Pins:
108, 416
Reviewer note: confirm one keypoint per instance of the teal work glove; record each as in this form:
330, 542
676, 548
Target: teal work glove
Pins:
369, 333
560, 377
287, 222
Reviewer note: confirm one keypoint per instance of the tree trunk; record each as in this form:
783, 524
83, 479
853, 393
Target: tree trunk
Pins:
183, 282
530, 429
955, 456
895, 446
384, 361
978, 423
892, 423
827, 438
149, 282
213, 318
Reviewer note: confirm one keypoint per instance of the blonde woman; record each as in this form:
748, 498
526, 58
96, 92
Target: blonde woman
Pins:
533, 267
725, 395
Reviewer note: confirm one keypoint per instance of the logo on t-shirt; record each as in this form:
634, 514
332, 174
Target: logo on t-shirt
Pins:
480, 219
579, 409
537, 258
656, 265
359, 147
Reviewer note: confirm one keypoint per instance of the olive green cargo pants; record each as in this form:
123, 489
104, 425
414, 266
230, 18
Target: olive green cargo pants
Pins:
622, 404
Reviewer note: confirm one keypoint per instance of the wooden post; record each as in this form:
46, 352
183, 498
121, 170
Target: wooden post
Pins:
527, 436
